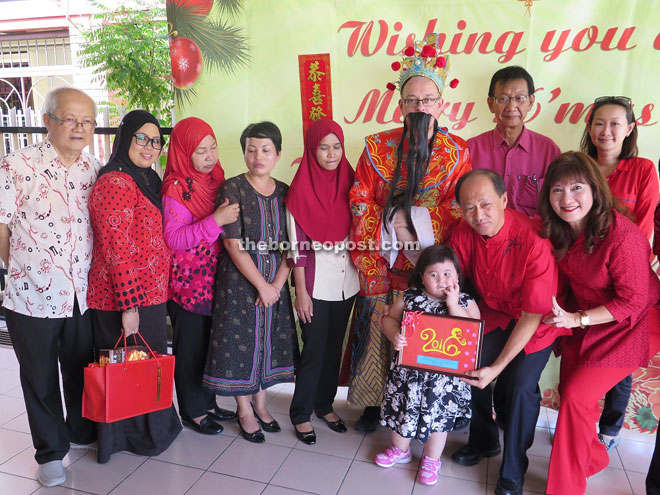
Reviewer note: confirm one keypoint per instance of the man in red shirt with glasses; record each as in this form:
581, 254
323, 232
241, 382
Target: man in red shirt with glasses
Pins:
513, 271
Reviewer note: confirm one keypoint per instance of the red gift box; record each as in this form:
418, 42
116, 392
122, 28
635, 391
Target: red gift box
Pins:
131, 388
440, 343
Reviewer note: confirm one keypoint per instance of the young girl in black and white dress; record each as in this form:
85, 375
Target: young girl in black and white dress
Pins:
420, 404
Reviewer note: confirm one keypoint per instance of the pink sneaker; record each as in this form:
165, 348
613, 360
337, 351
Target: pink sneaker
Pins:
393, 456
428, 473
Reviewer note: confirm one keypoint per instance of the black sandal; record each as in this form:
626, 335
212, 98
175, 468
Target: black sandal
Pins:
307, 437
207, 426
254, 437
338, 426
272, 427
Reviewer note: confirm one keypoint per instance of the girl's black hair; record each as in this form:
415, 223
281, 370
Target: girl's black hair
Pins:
430, 256
420, 147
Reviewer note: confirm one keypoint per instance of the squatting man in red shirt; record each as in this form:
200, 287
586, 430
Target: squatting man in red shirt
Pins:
513, 271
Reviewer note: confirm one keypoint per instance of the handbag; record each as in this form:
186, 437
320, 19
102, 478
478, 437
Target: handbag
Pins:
123, 390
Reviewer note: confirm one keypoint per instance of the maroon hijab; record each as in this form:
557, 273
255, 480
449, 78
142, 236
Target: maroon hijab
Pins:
318, 198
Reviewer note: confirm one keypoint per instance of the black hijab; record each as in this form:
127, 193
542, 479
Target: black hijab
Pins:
146, 179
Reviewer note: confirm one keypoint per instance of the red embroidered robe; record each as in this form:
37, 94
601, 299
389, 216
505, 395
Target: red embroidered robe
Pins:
449, 160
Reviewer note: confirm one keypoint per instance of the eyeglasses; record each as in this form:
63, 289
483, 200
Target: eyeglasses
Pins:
413, 102
71, 123
614, 99
142, 140
504, 100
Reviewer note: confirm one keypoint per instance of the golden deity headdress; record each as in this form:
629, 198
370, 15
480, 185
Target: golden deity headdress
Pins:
423, 59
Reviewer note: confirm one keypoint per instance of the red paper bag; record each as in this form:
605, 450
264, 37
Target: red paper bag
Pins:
123, 390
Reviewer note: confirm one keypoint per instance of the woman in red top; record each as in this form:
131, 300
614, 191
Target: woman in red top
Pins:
605, 259
192, 228
128, 278
653, 476
610, 138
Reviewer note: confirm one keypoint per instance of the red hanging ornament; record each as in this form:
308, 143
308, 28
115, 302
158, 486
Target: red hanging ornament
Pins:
186, 59
453, 83
396, 66
391, 86
198, 7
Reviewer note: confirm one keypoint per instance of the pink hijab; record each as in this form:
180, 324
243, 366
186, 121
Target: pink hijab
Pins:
194, 190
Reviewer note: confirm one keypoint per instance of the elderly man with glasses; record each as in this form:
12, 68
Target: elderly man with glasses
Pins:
513, 271
517, 154
46, 242
403, 193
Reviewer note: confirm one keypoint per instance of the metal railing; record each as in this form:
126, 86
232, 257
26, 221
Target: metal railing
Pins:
19, 129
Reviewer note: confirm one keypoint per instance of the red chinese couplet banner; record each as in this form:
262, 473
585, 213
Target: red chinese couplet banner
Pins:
315, 88
441, 344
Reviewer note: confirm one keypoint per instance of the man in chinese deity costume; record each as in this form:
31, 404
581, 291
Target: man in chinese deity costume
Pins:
402, 201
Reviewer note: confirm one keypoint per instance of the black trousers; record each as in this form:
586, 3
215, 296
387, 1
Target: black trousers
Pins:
653, 478
519, 404
190, 346
39, 343
318, 370
614, 410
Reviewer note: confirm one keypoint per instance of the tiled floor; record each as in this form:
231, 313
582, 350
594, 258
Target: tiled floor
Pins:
226, 464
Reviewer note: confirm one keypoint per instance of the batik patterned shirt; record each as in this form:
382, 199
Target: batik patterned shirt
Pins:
44, 203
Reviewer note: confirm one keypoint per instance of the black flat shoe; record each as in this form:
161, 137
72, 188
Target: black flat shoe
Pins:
308, 437
272, 427
220, 414
206, 426
254, 437
338, 426
468, 456
508, 487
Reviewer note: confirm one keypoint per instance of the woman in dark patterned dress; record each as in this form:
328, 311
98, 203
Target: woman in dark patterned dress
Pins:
253, 340
129, 273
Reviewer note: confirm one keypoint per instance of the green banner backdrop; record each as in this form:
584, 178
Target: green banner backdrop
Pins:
242, 66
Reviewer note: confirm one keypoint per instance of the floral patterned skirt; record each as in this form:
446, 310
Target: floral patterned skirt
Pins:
420, 403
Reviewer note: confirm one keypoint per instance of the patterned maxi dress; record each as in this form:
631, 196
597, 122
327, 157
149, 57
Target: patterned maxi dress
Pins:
251, 347
419, 403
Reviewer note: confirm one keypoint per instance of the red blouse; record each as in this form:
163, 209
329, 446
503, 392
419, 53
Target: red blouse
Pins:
130, 261
374, 173
513, 271
617, 275
634, 184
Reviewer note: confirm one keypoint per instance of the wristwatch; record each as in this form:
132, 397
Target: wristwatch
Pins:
584, 318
